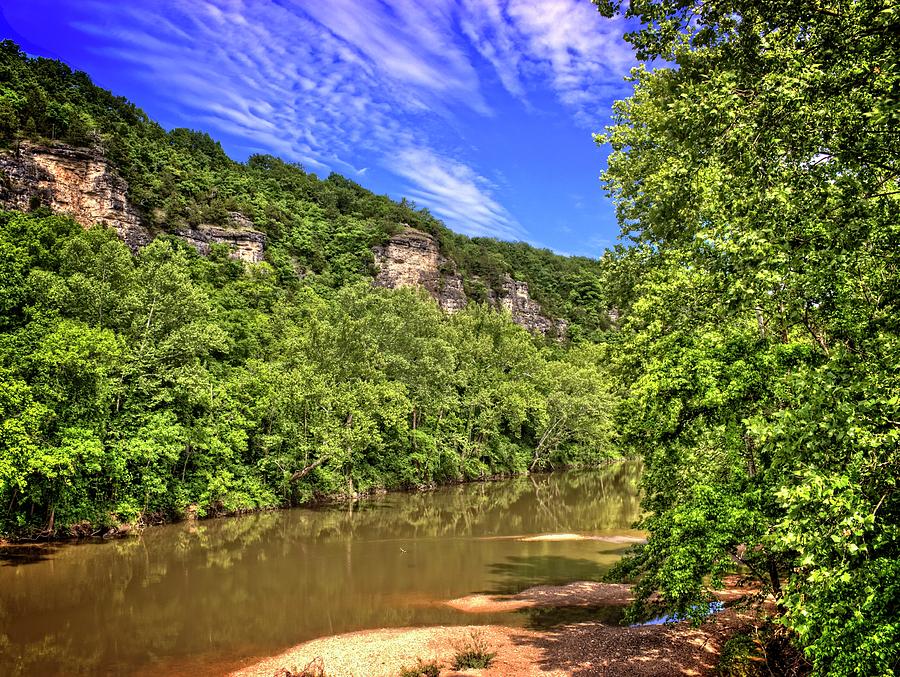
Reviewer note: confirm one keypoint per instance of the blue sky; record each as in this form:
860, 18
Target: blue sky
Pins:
480, 110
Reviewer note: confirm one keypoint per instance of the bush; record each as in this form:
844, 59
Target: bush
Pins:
766, 650
739, 658
422, 669
473, 653
315, 668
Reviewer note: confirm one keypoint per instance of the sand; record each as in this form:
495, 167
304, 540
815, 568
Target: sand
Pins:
575, 649
579, 649
581, 593
556, 538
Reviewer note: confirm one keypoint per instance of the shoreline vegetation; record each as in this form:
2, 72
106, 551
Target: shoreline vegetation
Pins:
168, 385
124, 530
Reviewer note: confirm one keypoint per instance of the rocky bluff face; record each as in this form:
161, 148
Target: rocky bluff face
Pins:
525, 311
74, 181
80, 182
411, 258
246, 243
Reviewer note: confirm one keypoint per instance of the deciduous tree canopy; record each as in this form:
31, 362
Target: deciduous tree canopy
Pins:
757, 174
322, 227
144, 387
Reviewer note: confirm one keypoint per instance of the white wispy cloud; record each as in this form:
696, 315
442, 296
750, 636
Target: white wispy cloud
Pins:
333, 83
265, 72
563, 42
454, 192
412, 42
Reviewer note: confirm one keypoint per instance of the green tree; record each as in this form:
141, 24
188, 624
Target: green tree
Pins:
757, 177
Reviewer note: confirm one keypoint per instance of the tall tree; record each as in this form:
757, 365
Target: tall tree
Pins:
757, 174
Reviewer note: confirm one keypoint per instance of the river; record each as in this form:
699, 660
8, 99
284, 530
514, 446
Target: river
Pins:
204, 597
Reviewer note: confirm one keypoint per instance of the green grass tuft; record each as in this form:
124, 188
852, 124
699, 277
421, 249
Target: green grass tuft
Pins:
473, 653
422, 669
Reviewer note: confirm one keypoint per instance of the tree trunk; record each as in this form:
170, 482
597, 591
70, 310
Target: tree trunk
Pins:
308, 469
775, 581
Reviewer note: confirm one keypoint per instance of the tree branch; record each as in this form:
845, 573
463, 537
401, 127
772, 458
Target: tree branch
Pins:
299, 474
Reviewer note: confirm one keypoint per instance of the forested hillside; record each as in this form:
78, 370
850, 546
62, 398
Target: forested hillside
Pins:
322, 227
147, 387
151, 386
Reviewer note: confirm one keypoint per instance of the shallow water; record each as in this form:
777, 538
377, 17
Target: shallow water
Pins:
206, 597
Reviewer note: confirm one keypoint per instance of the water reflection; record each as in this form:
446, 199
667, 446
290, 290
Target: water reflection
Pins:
518, 572
544, 618
225, 591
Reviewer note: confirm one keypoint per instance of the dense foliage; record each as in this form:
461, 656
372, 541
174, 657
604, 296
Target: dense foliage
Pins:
757, 175
150, 386
321, 227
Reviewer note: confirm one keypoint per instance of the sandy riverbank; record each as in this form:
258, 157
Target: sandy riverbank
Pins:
581, 649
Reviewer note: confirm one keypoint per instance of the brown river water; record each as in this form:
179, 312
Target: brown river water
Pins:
206, 597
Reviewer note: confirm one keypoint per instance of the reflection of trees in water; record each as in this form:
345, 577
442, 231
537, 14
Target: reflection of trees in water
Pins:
606, 498
519, 572
39, 657
263, 581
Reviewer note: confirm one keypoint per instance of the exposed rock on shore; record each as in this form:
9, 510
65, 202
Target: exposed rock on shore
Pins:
581, 593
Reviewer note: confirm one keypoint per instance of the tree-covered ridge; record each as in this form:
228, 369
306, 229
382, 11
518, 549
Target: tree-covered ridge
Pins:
759, 178
324, 227
150, 386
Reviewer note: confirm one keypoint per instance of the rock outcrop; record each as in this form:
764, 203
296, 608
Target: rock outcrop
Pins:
412, 258
74, 181
525, 311
246, 243
81, 183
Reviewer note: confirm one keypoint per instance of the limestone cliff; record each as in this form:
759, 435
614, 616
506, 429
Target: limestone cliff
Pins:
525, 311
412, 258
246, 243
74, 181
80, 182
